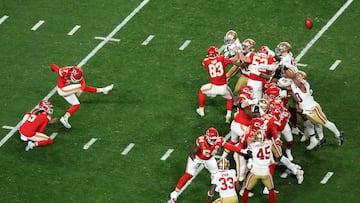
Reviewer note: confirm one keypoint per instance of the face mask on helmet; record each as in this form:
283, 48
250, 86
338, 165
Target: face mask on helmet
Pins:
46, 106
213, 52
76, 74
223, 164
247, 46
212, 136
264, 50
248, 91
257, 124
259, 135
282, 47
272, 92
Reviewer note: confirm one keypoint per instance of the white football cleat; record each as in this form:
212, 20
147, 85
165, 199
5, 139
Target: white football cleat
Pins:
108, 88
303, 138
266, 191
200, 112
65, 122
30, 145
300, 176
313, 143
242, 192
173, 197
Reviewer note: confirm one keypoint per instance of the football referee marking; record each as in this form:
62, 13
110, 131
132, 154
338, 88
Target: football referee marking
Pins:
83, 62
127, 149
88, 144
321, 32
2, 19
38, 24
326, 177
167, 154
335, 64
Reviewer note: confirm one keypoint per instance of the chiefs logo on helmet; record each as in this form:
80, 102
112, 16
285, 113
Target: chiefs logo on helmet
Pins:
212, 136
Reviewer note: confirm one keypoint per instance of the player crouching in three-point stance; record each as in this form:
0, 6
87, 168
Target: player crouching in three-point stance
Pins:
202, 154
34, 124
70, 85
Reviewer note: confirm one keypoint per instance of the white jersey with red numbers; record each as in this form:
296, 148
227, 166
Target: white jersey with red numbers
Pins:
216, 68
207, 151
225, 182
306, 100
288, 61
261, 154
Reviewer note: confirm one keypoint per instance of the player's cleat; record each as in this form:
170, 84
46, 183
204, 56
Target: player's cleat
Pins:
65, 122
200, 112
250, 194
266, 191
173, 197
108, 88
285, 174
300, 176
303, 138
30, 145
341, 138
322, 142
313, 143
295, 131
227, 119
289, 155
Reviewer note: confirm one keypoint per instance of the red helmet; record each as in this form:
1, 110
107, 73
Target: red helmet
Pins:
76, 74
248, 91
276, 110
46, 106
257, 123
264, 49
213, 52
212, 136
273, 92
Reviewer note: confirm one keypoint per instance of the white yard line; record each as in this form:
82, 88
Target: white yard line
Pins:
167, 154
8, 127
103, 38
326, 177
88, 144
127, 149
186, 43
321, 32
72, 31
2, 19
146, 42
335, 64
37, 25
84, 61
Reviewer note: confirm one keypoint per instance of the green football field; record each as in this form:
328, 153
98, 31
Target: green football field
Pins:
152, 52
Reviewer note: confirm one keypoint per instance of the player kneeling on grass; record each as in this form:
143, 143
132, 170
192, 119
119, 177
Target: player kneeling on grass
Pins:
71, 84
34, 124
224, 180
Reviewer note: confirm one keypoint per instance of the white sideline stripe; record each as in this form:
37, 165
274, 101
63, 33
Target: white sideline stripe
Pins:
127, 149
335, 64
167, 154
38, 24
88, 144
74, 30
2, 19
326, 177
7, 127
186, 43
83, 62
227, 136
318, 35
53, 135
146, 42
301, 64
103, 38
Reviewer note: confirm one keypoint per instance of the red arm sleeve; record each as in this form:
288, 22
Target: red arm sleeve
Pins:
55, 68
44, 124
232, 147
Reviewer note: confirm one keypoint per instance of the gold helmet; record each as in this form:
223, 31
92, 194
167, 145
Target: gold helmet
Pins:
248, 45
264, 104
230, 37
301, 74
223, 164
259, 136
282, 47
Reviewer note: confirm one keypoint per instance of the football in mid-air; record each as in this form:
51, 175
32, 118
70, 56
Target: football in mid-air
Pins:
308, 23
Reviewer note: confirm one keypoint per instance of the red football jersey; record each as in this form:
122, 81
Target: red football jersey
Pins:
216, 69
34, 123
206, 150
241, 116
260, 59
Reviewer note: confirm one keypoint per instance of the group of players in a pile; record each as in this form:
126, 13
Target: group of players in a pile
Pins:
270, 92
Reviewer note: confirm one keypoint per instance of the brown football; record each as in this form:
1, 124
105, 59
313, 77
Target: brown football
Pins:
308, 23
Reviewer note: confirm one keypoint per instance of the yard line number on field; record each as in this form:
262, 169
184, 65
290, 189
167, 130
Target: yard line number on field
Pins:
298, 58
85, 60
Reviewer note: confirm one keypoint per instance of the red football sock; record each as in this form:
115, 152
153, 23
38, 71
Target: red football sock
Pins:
245, 196
73, 109
229, 104
289, 144
272, 196
44, 142
272, 169
201, 98
183, 180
